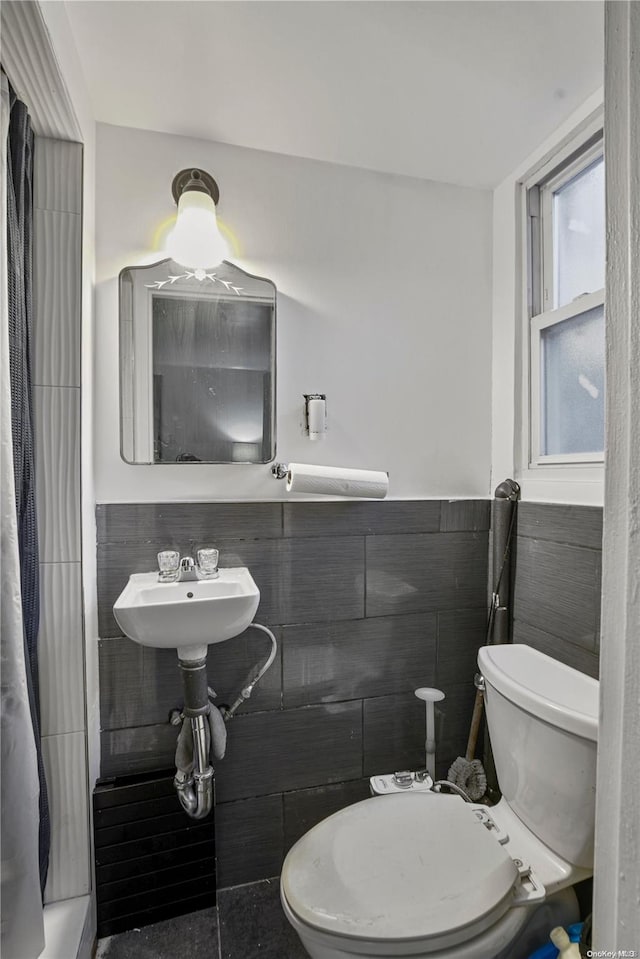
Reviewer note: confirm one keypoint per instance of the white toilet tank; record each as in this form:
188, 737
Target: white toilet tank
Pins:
543, 723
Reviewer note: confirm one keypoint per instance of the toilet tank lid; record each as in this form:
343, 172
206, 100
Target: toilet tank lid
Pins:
542, 686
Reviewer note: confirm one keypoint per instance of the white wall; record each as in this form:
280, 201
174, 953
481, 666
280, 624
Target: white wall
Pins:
506, 338
616, 916
384, 296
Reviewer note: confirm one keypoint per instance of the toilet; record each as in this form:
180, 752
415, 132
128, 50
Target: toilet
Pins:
430, 875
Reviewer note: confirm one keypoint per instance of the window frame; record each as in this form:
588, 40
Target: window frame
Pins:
538, 313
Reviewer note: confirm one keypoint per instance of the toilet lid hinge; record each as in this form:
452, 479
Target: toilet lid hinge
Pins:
528, 888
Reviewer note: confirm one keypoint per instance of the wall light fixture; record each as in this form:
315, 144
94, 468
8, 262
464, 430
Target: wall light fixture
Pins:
195, 241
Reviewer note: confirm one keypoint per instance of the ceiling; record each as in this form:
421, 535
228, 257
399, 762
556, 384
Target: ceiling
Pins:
454, 91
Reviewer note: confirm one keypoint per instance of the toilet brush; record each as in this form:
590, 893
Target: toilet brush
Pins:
465, 771
430, 696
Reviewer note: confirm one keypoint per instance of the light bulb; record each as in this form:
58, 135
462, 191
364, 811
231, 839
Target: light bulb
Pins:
195, 241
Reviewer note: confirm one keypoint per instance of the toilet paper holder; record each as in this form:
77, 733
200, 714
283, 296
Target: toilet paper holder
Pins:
332, 480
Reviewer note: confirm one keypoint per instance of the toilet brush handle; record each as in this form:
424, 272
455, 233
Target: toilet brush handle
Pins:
475, 726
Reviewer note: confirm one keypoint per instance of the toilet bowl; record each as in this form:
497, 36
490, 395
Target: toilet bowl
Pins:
423, 875
429, 875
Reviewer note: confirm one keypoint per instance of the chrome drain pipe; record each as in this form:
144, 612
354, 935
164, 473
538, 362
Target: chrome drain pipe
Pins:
195, 787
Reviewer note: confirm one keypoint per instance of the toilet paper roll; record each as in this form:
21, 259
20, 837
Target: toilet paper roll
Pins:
336, 481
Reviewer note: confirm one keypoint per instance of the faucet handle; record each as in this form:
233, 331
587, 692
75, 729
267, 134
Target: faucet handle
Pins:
208, 561
168, 565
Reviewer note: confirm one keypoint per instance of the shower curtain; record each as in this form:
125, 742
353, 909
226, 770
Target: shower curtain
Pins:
23, 801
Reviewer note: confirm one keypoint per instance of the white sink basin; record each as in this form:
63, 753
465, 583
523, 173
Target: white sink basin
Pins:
187, 614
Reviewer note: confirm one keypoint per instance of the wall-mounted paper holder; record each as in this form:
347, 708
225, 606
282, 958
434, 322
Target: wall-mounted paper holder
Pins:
332, 480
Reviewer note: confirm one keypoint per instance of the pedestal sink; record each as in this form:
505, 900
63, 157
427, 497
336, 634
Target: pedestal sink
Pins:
188, 615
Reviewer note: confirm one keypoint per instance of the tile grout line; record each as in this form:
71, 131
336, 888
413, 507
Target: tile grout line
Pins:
362, 744
559, 542
364, 577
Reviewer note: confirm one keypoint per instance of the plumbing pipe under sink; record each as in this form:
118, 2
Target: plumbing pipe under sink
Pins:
254, 677
194, 783
195, 788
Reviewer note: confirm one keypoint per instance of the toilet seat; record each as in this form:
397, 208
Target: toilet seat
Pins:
401, 869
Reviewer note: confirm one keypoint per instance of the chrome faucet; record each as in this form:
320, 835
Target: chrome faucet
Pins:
188, 570
172, 568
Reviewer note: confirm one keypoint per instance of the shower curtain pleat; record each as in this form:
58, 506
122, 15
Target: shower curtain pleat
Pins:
22, 926
21, 795
19, 281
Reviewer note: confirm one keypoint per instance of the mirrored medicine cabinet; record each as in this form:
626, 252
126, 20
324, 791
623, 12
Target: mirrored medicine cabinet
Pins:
197, 365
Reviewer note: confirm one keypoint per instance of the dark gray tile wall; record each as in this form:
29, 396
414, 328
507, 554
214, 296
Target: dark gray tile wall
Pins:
558, 573
571, 525
249, 836
420, 572
358, 658
367, 601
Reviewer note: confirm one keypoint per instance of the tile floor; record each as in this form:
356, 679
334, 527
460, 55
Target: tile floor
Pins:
253, 925
194, 935
248, 924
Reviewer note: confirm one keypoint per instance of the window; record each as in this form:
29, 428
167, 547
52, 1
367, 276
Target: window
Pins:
565, 306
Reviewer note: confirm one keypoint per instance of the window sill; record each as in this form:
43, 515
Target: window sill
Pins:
576, 485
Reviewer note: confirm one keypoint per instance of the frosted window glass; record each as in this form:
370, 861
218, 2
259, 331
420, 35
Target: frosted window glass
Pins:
572, 394
579, 231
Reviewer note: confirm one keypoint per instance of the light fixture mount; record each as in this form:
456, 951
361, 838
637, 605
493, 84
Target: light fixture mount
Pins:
197, 180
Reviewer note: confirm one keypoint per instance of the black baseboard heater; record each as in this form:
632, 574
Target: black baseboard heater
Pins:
152, 861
